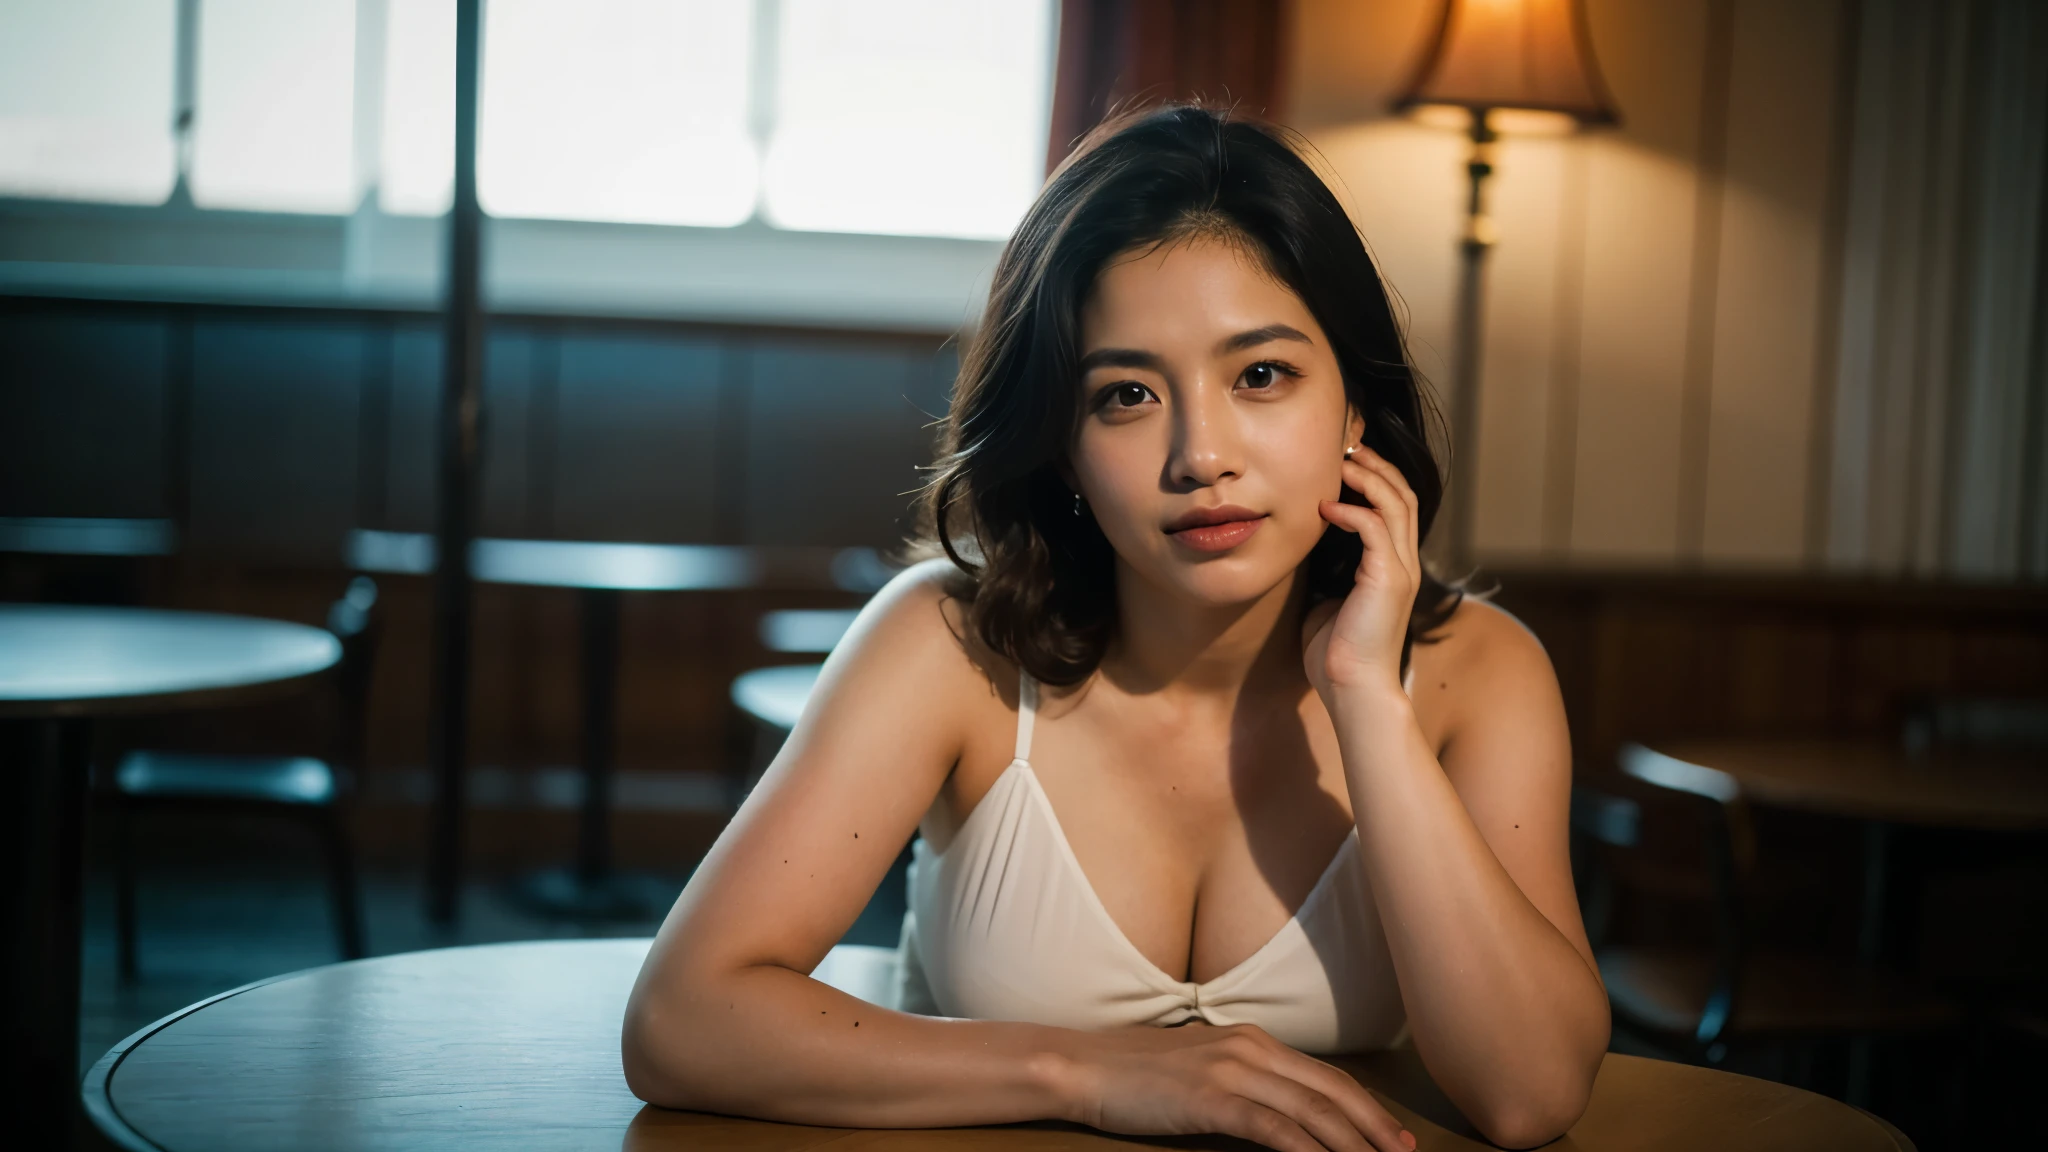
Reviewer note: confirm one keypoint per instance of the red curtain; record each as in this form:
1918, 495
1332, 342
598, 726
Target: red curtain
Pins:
1114, 53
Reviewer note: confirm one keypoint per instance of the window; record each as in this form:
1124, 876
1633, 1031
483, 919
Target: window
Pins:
841, 162
274, 114
947, 136
86, 95
416, 176
906, 117
626, 110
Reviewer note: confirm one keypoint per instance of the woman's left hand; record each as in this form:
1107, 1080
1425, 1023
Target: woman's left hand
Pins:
1356, 644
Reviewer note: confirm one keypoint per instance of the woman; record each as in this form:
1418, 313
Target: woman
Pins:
1191, 736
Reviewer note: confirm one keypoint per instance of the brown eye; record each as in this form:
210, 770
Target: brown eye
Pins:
1125, 395
1264, 374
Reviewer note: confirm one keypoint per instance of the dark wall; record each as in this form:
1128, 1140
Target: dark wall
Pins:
270, 433
85, 415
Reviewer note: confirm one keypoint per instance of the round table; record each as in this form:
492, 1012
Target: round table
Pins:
601, 572
1883, 785
62, 667
1939, 788
1880, 784
517, 1046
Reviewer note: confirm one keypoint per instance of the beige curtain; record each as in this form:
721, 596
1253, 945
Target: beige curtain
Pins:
1940, 404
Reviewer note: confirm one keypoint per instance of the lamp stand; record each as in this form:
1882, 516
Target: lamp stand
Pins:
1467, 340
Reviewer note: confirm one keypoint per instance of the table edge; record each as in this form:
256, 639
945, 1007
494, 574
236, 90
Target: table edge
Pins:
1770, 795
181, 699
146, 704
1903, 1142
96, 1089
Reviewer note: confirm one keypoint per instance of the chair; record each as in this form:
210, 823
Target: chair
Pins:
83, 560
87, 536
297, 787
1704, 1001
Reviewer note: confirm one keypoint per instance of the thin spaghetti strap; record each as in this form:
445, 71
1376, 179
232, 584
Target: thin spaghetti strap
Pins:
1027, 711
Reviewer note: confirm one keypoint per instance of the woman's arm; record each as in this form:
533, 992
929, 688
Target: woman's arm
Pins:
1473, 880
1468, 855
724, 1017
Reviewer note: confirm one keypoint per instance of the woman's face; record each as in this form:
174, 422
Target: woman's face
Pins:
1207, 387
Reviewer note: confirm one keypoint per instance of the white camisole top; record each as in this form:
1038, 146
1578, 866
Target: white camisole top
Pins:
1003, 925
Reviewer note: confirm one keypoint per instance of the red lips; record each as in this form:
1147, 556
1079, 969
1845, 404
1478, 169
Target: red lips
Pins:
1217, 529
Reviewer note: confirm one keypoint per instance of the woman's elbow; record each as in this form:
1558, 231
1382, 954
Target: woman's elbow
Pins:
1535, 1114
654, 1073
1526, 1124
644, 1075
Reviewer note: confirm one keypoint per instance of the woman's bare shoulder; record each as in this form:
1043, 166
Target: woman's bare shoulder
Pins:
1480, 651
917, 627
1480, 630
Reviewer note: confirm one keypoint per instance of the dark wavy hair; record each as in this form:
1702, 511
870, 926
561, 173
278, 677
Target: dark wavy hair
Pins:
1037, 581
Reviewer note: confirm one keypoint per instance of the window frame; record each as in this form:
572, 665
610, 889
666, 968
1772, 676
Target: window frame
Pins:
752, 271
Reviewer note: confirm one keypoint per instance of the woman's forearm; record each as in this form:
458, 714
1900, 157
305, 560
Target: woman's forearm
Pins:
772, 1043
1505, 1011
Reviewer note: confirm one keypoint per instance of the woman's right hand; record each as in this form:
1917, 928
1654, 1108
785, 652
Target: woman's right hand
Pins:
1235, 1080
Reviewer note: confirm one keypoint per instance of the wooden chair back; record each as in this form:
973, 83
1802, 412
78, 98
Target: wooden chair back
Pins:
1728, 842
356, 622
1599, 817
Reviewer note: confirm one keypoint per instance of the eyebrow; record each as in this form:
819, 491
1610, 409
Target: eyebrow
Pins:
1265, 335
1138, 358
1122, 358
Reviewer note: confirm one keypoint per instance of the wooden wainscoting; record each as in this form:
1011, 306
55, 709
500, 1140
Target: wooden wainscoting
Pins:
1647, 656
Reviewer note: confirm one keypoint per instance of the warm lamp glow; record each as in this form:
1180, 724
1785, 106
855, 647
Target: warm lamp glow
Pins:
1525, 54
1492, 62
1506, 121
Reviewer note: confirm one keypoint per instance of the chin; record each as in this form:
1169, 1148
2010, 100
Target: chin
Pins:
1229, 578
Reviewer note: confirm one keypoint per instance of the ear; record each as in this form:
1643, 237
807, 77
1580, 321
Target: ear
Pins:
1354, 424
1065, 467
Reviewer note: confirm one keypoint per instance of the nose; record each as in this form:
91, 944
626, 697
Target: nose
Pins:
1208, 446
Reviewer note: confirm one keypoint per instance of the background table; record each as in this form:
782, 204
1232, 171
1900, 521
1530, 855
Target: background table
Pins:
599, 572
1883, 785
1938, 788
517, 1046
1880, 784
60, 668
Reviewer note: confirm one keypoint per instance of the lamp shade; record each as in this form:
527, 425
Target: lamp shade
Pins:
1531, 54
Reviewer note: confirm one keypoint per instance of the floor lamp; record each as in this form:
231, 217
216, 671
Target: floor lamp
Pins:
1488, 56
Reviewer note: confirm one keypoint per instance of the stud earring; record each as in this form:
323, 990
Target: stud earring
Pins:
1349, 449
1077, 503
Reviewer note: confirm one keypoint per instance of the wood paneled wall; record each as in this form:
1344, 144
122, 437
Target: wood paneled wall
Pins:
1648, 656
269, 433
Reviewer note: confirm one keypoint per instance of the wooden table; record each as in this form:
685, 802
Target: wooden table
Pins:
1883, 785
600, 572
517, 1046
61, 668
1939, 788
